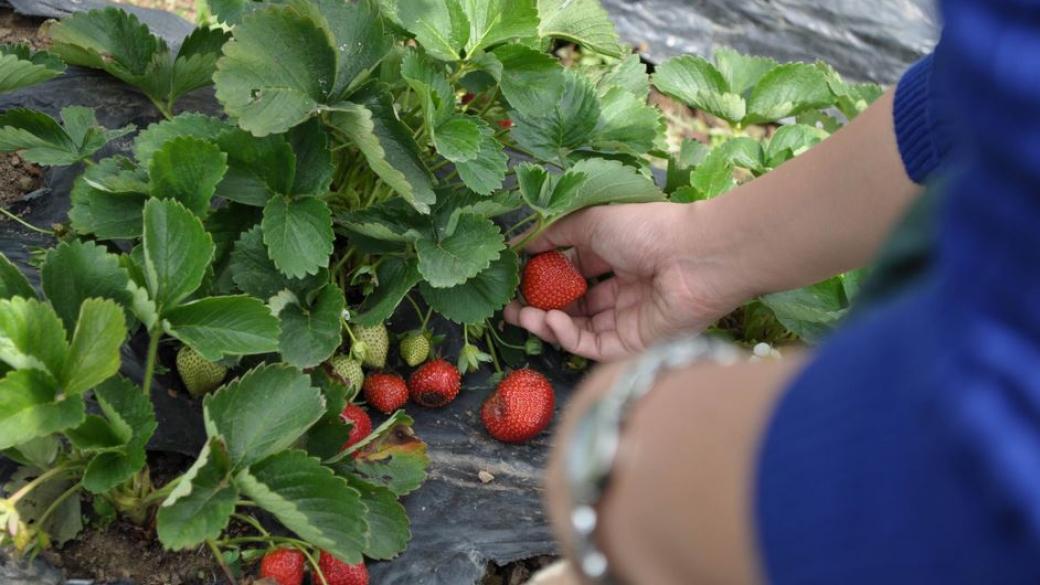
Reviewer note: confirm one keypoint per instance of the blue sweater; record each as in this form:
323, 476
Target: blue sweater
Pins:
909, 451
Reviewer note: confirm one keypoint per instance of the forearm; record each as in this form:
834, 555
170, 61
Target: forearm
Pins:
825, 212
679, 506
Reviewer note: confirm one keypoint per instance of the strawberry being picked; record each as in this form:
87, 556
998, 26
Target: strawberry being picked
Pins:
550, 282
360, 421
435, 384
283, 566
520, 408
385, 392
336, 572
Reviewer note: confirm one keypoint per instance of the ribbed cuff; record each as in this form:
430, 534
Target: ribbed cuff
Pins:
916, 122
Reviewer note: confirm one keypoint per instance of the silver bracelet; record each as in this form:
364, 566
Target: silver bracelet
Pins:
592, 450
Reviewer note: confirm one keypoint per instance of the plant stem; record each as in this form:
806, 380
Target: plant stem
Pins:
25, 224
41, 479
313, 563
220, 561
490, 102
503, 343
149, 368
522, 223
491, 350
57, 502
418, 311
426, 319
252, 522
161, 493
539, 227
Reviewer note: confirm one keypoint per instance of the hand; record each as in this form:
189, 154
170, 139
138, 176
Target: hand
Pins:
663, 280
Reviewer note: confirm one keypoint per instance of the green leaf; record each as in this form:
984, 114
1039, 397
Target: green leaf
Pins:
263, 412
627, 123
199, 508
64, 519
428, 80
29, 409
20, 68
388, 526
196, 61
628, 74
691, 153
531, 81
486, 173
108, 200
130, 414
745, 153
396, 459
811, 312
221, 326
698, 84
440, 26
741, 72
270, 99
584, 22
589, 182
254, 272
177, 251
32, 336
310, 145
372, 125
393, 220
788, 90
493, 22
480, 297
307, 498
94, 353
298, 234
459, 138
41, 140
187, 169
94, 434
75, 271
396, 277
559, 127
190, 124
714, 176
453, 259
12, 282
258, 168
791, 141
311, 334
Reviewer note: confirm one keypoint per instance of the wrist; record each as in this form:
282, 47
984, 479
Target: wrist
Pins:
714, 253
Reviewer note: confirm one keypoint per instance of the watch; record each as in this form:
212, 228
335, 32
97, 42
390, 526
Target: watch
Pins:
590, 454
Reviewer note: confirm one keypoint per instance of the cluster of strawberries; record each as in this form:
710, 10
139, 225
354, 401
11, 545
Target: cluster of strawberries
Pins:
286, 566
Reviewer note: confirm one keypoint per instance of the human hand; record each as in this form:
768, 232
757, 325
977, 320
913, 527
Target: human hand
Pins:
664, 280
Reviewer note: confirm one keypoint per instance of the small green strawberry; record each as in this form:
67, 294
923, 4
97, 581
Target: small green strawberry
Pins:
377, 344
415, 348
198, 374
348, 370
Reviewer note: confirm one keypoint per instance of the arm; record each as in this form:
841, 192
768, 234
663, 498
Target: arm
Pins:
680, 267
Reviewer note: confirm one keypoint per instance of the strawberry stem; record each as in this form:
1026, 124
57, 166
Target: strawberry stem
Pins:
26, 224
491, 350
217, 556
149, 368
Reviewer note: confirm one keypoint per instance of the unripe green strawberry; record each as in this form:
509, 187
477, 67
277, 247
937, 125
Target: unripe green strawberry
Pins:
348, 370
198, 374
415, 348
377, 344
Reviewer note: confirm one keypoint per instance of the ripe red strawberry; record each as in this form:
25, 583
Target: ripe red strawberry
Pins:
336, 572
520, 408
362, 424
468, 97
385, 392
505, 124
551, 282
435, 384
283, 565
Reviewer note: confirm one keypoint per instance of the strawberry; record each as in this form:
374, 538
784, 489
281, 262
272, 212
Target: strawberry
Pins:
550, 281
520, 408
360, 421
283, 565
348, 370
468, 97
505, 124
198, 374
336, 572
435, 384
415, 348
377, 344
385, 392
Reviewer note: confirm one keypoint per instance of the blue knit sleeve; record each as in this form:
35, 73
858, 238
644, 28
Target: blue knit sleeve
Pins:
908, 452
921, 131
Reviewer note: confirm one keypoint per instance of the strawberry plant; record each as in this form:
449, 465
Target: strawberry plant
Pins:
368, 157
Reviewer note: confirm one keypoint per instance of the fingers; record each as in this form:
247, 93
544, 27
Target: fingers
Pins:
572, 231
531, 319
580, 337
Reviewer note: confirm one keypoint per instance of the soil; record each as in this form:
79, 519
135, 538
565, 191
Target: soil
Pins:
17, 178
516, 573
20, 29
